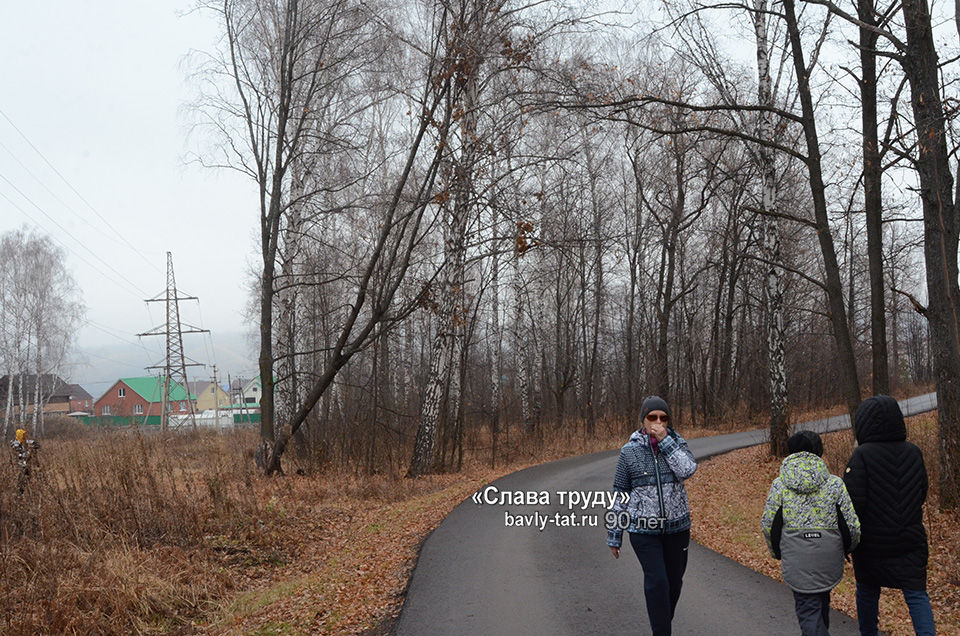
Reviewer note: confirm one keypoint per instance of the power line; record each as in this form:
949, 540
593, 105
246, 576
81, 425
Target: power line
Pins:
208, 342
67, 205
113, 360
64, 230
75, 191
137, 293
113, 333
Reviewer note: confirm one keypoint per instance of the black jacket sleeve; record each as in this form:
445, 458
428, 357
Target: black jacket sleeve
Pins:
855, 479
776, 532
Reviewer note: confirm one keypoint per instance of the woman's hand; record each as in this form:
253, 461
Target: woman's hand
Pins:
657, 429
616, 552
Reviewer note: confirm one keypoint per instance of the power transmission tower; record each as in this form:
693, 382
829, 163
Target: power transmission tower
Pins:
175, 366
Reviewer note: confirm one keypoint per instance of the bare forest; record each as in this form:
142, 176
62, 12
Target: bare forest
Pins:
489, 221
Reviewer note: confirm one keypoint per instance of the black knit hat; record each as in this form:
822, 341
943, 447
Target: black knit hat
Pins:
653, 403
805, 441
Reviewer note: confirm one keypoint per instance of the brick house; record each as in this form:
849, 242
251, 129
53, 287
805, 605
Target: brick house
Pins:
57, 397
136, 397
80, 400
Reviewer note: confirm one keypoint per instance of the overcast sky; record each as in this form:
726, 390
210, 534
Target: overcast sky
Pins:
99, 90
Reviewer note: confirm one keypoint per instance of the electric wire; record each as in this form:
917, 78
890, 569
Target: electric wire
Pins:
67, 205
75, 191
64, 230
209, 343
132, 291
111, 332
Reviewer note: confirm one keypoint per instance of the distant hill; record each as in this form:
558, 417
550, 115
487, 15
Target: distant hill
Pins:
96, 368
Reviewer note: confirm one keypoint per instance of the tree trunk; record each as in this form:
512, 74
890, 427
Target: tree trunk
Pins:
771, 249
940, 228
521, 346
445, 370
288, 298
872, 199
8, 407
265, 360
496, 366
833, 285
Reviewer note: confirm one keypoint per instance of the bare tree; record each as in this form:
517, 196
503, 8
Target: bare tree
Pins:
917, 56
771, 243
40, 312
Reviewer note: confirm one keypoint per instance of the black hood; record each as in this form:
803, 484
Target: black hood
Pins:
879, 419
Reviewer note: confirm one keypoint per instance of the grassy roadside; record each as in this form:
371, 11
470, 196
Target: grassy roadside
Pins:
351, 558
728, 493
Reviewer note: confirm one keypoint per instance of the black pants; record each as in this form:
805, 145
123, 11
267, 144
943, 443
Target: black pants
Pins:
663, 558
813, 613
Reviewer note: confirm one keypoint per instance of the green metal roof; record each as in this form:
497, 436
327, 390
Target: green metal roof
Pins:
150, 389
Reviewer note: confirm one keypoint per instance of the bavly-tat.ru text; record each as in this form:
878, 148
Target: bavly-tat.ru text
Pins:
540, 521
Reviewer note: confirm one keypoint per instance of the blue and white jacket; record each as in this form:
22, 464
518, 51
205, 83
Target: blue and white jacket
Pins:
657, 501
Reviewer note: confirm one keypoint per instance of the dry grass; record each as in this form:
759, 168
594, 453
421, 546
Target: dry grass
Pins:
727, 497
109, 533
356, 548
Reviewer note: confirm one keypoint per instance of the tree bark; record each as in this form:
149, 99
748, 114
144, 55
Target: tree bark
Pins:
872, 199
941, 229
771, 249
833, 285
521, 346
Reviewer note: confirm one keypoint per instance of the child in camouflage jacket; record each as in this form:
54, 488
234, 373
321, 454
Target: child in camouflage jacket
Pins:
810, 524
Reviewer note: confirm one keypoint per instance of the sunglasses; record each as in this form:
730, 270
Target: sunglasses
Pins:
653, 417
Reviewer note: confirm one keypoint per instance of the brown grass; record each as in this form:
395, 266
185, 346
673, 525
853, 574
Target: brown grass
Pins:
109, 535
728, 493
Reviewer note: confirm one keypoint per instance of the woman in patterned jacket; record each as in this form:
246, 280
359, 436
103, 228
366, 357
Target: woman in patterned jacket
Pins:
656, 513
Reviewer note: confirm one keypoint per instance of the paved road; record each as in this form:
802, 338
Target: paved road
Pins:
478, 575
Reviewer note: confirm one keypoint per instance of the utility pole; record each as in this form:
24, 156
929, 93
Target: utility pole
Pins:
216, 397
175, 366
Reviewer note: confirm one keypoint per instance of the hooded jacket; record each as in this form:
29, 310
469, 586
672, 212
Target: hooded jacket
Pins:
810, 523
657, 501
887, 481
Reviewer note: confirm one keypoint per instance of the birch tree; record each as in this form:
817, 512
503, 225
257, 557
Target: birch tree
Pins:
40, 313
771, 243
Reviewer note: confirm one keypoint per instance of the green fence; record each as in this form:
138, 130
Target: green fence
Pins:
153, 420
120, 420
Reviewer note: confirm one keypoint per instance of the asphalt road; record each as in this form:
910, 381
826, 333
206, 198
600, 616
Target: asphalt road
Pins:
479, 573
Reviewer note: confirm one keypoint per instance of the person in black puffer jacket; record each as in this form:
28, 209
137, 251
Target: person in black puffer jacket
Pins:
887, 481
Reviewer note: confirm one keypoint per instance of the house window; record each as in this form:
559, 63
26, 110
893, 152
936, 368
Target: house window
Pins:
105, 410
183, 406
138, 409
121, 392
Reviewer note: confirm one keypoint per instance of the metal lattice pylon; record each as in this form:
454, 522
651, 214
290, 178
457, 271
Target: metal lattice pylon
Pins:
175, 365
